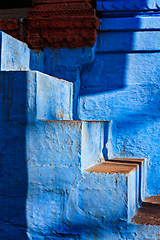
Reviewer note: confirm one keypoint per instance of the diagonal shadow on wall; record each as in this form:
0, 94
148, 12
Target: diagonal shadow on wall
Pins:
13, 161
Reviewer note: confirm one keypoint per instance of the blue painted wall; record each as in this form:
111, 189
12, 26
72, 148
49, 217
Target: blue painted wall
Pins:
118, 80
122, 85
45, 192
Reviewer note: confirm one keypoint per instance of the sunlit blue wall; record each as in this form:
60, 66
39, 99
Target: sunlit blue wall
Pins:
52, 130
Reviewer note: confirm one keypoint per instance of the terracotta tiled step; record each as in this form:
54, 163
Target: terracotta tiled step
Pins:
116, 165
149, 212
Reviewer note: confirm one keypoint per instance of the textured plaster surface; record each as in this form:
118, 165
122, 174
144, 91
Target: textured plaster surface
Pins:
45, 192
122, 85
15, 55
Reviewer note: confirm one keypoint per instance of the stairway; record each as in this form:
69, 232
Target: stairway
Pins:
56, 179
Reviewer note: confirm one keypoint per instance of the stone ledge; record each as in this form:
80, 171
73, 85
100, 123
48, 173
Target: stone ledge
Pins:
116, 166
127, 6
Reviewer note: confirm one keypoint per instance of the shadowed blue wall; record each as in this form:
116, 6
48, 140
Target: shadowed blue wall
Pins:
13, 158
45, 191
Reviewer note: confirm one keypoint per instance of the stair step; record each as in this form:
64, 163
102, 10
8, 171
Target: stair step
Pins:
16, 56
116, 166
115, 183
31, 95
149, 212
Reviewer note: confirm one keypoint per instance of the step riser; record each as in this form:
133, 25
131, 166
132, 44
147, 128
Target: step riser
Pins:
27, 96
134, 192
94, 139
100, 196
123, 191
105, 196
54, 98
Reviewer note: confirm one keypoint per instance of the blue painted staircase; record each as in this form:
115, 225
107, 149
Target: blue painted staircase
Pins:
57, 179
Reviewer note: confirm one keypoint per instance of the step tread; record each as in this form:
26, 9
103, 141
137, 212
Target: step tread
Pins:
149, 212
116, 166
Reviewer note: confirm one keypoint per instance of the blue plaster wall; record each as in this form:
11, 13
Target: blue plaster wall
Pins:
122, 85
45, 192
42, 160
118, 80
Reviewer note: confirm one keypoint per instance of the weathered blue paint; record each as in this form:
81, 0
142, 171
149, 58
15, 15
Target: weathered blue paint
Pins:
45, 191
49, 104
122, 85
104, 196
94, 139
15, 55
63, 63
41, 160
36, 61
132, 24
123, 8
128, 41
54, 167
53, 103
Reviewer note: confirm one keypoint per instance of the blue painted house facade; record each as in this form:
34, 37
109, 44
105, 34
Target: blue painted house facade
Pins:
80, 131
